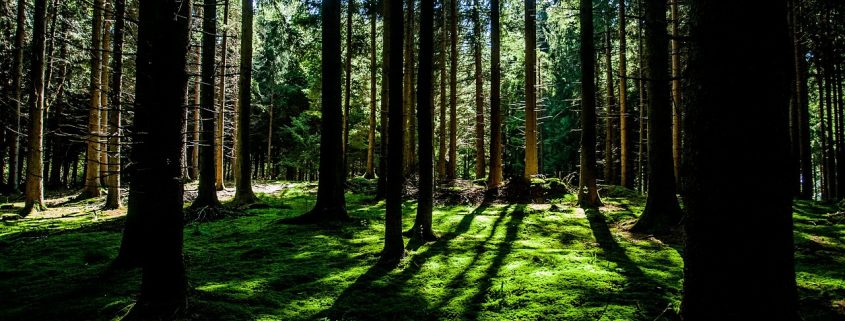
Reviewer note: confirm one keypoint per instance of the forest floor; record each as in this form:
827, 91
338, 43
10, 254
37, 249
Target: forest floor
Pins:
493, 261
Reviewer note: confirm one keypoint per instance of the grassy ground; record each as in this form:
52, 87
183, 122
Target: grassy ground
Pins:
492, 262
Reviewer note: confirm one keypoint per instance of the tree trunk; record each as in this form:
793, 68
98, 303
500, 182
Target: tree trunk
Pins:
381, 189
104, 96
642, 147
394, 247
496, 176
610, 117
92, 163
480, 170
195, 152
17, 87
206, 189
662, 211
425, 102
347, 88
331, 204
723, 134
34, 195
371, 133
677, 97
115, 133
442, 150
451, 170
588, 195
219, 155
530, 91
803, 101
243, 181
627, 177
155, 197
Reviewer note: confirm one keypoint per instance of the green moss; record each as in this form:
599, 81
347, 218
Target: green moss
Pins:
492, 262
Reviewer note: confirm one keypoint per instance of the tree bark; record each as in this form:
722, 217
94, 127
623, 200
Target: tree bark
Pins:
115, 132
496, 176
422, 223
92, 163
220, 137
442, 150
17, 87
452, 166
610, 117
350, 8
662, 211
381, 189
243, 181
480, 169
724, 50
677, 96
588, 195
34, 195
206, 189
104, 96
626, 173
394, 247
371, 134
530, 90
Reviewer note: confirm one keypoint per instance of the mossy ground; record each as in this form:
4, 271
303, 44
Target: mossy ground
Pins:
492, 262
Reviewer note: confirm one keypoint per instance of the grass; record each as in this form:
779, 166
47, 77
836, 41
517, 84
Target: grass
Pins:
492, 262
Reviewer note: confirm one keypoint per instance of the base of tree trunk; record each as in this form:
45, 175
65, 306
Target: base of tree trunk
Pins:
326, 216
210, 213
32, 208
659, 219
112, 205
245, 200
369, 175
88, 194
156, 310
390, 258
420, 234
125, 262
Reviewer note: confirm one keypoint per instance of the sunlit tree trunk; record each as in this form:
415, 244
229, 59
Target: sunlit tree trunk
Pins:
626, 172
610, 117
92, 163
677, 97
530, 90
371, 134
496, 176
381, 189
34, 194
115, 130
725, 49
588, 195
105, 57
220, 137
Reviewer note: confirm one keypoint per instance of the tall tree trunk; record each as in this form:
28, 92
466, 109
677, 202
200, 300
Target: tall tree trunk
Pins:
480, 170
677, 97
823, 159
371, 133
243, 182
206, 189
643, 124
530, 90
722, 134
442, 150
104, 96
425, 102
626, 172
331, 204
60, 148
115, 132
219, 154
271, 108
496, 177
394, 247
92, 163
155, 197
451, 170
802, 96
588, 195
662, 211
381, 189
17, 87
34, 195
195, 152
610, 117
350, 8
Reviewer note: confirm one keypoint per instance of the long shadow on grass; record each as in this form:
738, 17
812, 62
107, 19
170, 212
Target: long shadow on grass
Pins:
639, 287
355, 302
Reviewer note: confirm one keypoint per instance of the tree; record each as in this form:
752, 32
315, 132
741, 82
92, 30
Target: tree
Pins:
206, 190
331, 204
441, 131
425, 102
17, 85
371, 134
759, 281
243, 181
588, 195
627, 177
115, 132
479, 93
610, 123
92, 160
155, 197
220, 129
452, 165
394, 245
531, 163
347, 87
34, 193
662, 211
381, 188
676, 91
496, 177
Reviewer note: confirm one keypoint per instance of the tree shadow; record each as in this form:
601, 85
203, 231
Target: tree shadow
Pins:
638, 284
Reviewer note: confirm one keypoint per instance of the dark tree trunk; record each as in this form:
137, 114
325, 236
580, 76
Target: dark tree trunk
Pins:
155, 195
662, 211
394, 247
588, 195
480, 169
496, 176
610, 117
422, 223
381, 189
243, 182
206, 190
743, 270
371, 133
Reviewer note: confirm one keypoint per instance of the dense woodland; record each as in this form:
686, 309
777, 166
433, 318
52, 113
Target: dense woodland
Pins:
422, 160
